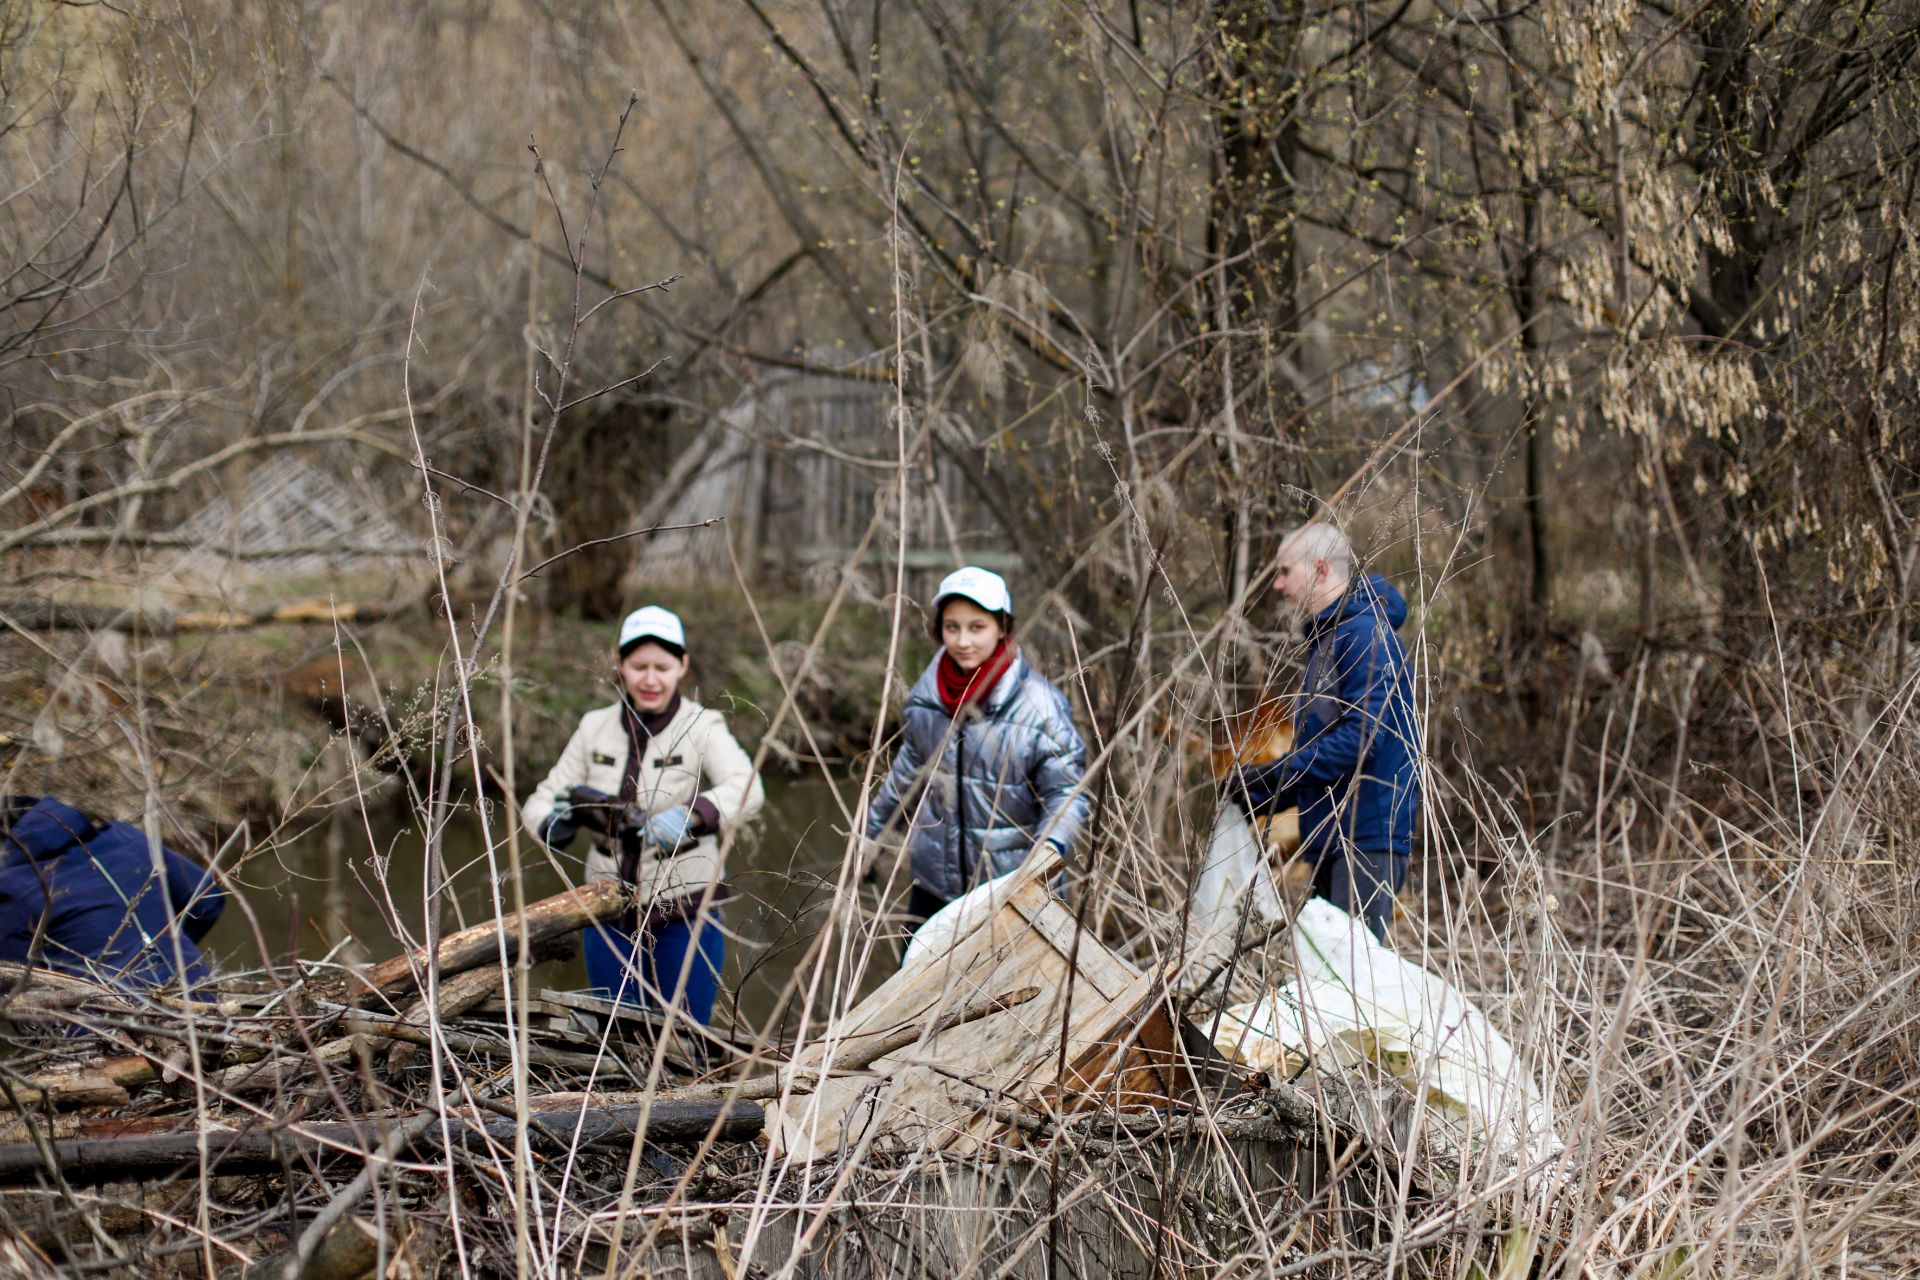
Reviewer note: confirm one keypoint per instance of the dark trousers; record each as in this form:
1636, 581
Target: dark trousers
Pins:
677, 959
921, 904
1362, 883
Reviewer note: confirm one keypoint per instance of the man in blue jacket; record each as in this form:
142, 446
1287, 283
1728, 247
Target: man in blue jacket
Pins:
84, 898
1354, 770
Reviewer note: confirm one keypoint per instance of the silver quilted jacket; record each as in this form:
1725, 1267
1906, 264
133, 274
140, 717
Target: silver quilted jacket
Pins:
974, 797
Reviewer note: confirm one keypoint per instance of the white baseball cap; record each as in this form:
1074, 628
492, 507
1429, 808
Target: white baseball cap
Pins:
651, 622
982, 586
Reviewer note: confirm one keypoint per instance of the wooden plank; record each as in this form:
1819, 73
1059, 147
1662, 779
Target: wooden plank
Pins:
993, 1219
541, 1015
1108, 973
951, 1090
1134, 1068
619, 1011
1004, 952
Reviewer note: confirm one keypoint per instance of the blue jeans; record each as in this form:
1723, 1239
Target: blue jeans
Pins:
679, 959
1362, 883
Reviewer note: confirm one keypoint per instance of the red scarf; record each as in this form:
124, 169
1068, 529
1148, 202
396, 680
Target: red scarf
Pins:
958, 688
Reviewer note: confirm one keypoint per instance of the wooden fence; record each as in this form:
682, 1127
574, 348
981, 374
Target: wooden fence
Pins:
800, 467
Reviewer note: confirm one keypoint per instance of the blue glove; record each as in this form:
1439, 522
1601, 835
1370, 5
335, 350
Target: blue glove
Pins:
671, 830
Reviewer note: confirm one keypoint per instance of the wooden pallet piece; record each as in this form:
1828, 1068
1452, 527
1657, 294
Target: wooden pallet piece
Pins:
955, 1091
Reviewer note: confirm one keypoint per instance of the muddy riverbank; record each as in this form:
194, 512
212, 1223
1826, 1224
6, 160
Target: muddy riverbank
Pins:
268, 724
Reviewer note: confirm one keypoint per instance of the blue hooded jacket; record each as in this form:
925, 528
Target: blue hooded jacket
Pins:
974, 797
107, 916
1354, 770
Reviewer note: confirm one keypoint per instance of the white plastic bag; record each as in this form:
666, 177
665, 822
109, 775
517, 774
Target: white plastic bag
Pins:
1355, 998
944, 926
1235, 882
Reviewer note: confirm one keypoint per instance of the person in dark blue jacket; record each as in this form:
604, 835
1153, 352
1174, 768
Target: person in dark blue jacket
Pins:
1354, 768
84, 898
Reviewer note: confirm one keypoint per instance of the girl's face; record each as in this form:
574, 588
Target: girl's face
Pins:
969, 632
651, 676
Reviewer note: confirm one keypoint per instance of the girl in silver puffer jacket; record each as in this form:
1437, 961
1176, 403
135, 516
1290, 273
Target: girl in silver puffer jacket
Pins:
989, 763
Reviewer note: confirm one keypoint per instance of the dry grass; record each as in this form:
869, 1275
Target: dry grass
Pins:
1706, 964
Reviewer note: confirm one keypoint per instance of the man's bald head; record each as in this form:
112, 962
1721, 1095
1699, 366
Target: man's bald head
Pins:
1316, 563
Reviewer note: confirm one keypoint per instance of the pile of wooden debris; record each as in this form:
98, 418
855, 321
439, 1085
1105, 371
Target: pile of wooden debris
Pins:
1022, 1102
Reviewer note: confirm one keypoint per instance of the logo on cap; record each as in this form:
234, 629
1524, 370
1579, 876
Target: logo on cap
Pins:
652, 623
982, 586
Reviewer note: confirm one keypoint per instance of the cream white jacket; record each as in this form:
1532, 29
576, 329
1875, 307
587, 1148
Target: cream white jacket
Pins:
693, 756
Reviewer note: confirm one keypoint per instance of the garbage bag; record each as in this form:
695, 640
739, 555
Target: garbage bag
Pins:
1355, 999
938, 934
1234, 883
945, 926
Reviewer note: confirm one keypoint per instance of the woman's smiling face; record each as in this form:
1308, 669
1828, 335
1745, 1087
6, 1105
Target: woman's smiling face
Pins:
651, 676
969, 632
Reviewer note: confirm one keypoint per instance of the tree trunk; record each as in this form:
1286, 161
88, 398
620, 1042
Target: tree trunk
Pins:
1251, 222
602, 468
1731, 127
1527, 297
1254, 87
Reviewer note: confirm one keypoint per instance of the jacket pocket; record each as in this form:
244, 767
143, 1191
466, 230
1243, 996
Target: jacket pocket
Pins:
1006, 846
1008, 860
601, 866
605, 777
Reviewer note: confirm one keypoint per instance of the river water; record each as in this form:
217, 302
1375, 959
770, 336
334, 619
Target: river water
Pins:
781, 878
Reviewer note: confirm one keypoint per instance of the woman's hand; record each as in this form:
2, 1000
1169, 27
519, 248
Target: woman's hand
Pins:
558, 831
1249, 788
589, 807
671, 830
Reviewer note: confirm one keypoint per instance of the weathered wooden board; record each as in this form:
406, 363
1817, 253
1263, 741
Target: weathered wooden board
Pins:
954, 1091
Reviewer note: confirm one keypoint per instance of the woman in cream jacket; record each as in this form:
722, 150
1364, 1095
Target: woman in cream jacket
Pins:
659, 778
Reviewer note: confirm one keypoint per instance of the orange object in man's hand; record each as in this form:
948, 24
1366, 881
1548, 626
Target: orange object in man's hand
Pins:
1260, 736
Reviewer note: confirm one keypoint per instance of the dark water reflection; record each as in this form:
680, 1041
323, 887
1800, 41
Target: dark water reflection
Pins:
782, 882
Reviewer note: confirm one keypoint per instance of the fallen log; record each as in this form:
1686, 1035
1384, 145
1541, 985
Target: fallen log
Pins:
39, 988
457, 995
95, 1160
53, 615
37, 996
465, 1042
271, 1071
464, 991
599, 902
99, 1082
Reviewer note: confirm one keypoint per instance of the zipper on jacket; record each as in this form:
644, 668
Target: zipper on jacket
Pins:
960, 799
